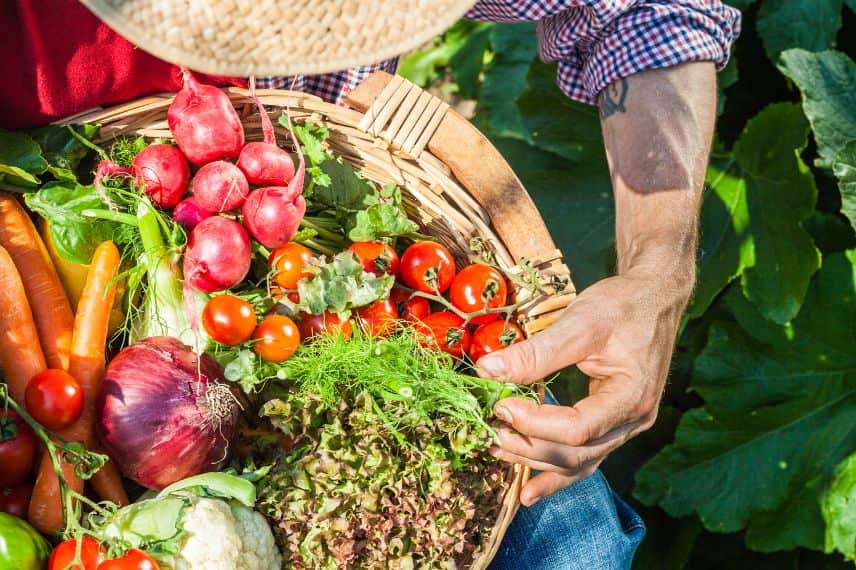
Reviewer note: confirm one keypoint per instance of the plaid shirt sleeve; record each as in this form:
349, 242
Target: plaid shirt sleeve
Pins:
595, 42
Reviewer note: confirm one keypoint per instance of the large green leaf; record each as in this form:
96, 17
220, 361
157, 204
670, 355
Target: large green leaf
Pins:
778, 418
845, 169
807, 24
780, 192
827, 81
20, 160
839, 510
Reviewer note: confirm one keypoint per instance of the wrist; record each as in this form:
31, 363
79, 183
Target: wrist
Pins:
666, 266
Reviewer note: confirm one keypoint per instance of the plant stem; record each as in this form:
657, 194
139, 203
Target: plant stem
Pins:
332, 236
111, 216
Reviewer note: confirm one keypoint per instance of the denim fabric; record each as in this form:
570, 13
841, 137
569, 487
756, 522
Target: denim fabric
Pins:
585, 526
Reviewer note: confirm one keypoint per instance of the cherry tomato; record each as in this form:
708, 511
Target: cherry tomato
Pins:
287, 262
54, 398
445, 330
376, 257
278, 294
378, 318
17, 448
428, 267
91, 554
328, 323
133, 560
16, 501
476, 288
410, 308
276, 338
492, 337
228, 319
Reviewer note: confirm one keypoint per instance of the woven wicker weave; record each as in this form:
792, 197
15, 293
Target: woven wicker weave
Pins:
453, 179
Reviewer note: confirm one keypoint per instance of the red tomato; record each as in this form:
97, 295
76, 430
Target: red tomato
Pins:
17, 449
276, 338
91, 554
445, 330
54, 398
287, 262
428, 267
228, 319
376, 257
476, 288
494, 336
410, 308
133, 560
16, 501
378, 318
328, 323
278, 294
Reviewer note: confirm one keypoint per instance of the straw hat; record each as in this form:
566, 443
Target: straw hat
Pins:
277, 37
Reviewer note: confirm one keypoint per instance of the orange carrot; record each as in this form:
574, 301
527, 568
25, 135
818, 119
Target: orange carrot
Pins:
21, 357
87, 366
48, 301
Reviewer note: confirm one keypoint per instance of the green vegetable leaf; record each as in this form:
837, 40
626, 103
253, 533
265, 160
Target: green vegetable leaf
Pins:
778, 418
74, 235
20, 160
839, 510
311, 137
827, 81
767, 155
340, 285
62, 150
347, 190
150, 523
214, 484
806, 24
844, 168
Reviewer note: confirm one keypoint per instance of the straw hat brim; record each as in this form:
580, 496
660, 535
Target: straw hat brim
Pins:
277, 37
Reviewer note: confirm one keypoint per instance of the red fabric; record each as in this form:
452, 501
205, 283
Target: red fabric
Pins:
58, 59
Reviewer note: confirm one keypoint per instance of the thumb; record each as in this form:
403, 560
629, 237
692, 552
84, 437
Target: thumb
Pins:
566, 342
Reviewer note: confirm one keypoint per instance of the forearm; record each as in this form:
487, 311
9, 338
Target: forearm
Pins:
658, 127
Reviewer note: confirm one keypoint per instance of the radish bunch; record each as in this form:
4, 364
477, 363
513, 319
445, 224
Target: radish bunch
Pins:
256, 182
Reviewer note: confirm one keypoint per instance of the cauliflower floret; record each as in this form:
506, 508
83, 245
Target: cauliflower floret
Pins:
221, 536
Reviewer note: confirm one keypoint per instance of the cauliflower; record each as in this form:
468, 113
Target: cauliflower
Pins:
225, 536
205, 522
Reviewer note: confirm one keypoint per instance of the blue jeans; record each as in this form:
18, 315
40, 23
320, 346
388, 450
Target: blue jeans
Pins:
585, 526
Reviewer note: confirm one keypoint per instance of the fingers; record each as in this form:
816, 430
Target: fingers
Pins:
567, 342
589, 419
547, 483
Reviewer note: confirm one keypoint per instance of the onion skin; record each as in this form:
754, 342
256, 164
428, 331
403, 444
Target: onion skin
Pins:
218, 255
153, 418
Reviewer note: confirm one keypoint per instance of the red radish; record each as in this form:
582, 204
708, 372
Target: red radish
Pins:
265, 163
271, 217
273, 214
220, 186
204, 122
106, 169
162, 172
217, 255
189, 213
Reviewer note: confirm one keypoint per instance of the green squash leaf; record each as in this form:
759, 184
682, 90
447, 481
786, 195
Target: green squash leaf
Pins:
778, 418
839, 510
806, 24
827, 81
844, 168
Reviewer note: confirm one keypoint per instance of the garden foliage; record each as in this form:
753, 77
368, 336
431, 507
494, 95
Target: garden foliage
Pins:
753, 460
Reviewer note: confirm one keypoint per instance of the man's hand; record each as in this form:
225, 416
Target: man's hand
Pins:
620, 332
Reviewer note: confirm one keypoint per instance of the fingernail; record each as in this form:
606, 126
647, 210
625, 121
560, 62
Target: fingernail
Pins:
528, 501
494, 366
503, 413
495, 451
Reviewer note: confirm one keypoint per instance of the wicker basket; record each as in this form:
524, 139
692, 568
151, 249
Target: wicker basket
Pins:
454, 181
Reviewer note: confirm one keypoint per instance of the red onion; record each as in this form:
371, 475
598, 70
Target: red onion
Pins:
164, 413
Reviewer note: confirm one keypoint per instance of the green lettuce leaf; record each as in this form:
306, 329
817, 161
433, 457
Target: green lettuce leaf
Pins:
777, 419
340, 285
20, 161
74, 235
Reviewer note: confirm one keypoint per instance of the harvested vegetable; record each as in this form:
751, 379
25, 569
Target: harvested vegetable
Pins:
17, 448
189, 213
379, 318
288, 263
444, 330
54, 398
21, 547
273, 214
91, 554
47, 299
427, 266
377, 257
204, 123
217, 255
276, 338
492, 337
264, 163
479, 287
165, 413
162, 172
220, 186
228, 319
326, 323
16, 500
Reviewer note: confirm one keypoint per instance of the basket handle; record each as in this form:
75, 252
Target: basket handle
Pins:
404, 114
